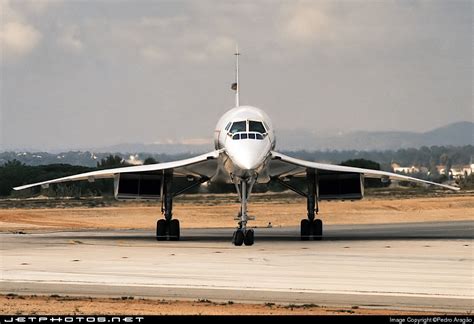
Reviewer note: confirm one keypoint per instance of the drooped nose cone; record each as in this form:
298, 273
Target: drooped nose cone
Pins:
248, 154
246, 161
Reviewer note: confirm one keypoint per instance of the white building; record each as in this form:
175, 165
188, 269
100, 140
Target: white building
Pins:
458, 171
411, 169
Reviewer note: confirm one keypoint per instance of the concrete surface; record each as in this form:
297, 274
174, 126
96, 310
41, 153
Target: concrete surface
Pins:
402, 266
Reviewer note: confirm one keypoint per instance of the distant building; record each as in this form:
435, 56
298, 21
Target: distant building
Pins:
424, 170
410, 169
457, 171
134, 160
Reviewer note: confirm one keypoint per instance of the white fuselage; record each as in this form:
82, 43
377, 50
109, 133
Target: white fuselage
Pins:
245, 133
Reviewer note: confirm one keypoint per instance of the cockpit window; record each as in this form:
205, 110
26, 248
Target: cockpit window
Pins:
239, 126
242, 136
256, 126
249, 129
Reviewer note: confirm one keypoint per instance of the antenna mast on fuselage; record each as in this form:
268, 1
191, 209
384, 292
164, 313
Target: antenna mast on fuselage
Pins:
236, 85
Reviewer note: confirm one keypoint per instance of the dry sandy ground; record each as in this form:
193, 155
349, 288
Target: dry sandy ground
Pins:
41, 305
278, 213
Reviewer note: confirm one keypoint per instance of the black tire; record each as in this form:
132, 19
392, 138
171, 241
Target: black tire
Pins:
161, 230
238, 238
249, 237
305, 230
174, 230
318, 229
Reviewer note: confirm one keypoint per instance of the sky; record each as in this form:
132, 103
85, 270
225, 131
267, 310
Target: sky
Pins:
80, 74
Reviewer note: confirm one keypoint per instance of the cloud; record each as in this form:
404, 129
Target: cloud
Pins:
304, 22
17, 37
195, 56
39, 6
153, 53
221, 45
70, 39
195, 141
163, 22
185, 141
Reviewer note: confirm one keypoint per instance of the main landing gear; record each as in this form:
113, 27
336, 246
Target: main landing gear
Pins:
243, 235
311, 228
168, 228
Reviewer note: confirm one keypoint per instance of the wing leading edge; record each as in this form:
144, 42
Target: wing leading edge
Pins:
295, 166
197, 165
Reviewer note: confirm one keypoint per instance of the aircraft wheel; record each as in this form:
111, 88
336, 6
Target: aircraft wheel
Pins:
305, 229
174, 230
238, 238
249, 237
161, 230
318, 229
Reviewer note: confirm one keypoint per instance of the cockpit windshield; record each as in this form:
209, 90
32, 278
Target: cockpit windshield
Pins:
240, 131
239, 126
256, 126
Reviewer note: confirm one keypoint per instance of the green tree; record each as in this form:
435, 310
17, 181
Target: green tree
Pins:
150, 160
111, 161
367, 164
447, 168
467, 182
12, 174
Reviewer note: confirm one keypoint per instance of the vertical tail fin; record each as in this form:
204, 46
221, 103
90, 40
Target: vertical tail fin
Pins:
236, 85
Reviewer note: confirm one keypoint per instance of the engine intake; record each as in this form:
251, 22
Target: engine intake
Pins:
340, 186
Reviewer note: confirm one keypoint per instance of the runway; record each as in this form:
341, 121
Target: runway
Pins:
418, 266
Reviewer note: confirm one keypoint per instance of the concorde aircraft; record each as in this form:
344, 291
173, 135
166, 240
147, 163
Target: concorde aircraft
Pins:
244, 154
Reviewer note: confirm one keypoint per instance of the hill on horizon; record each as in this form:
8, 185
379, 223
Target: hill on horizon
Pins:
456, 134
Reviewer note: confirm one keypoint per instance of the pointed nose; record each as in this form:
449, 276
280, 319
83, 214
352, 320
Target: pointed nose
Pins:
248, 154
247, 161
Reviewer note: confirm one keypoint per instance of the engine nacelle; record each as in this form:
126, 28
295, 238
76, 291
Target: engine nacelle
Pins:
340, 186
138, 186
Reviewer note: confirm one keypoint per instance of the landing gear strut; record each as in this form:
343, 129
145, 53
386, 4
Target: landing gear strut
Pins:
311, 228
243, 235
168, 228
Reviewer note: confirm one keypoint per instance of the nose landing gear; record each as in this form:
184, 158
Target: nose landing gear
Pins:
243, 235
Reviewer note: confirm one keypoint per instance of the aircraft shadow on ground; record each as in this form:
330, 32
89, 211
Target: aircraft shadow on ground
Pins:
290, 237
